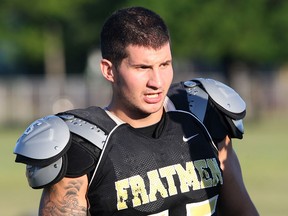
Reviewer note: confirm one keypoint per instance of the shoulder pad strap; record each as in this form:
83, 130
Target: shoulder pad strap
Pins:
85, 129
94, 115
197, 99
226, 98
43, 139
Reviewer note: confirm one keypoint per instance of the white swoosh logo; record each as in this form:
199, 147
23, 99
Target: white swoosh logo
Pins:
186, 139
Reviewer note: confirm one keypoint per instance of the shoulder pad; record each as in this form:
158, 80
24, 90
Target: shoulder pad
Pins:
86, 130
39, 177
44, 138
226, 98
42, 148
217, 105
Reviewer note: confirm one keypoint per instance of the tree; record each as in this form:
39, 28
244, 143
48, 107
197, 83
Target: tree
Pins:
224, 31
51, 34
221, 31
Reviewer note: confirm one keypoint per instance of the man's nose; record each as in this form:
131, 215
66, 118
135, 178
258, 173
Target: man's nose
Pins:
155, 79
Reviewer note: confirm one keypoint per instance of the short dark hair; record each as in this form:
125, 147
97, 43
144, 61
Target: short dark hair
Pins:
132, 26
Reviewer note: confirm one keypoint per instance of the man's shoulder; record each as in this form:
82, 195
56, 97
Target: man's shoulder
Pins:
52, 145
217, 105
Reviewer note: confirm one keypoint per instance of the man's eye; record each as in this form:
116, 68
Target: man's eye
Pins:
143, 67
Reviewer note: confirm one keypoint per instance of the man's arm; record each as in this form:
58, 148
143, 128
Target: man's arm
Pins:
67, 197
234, 198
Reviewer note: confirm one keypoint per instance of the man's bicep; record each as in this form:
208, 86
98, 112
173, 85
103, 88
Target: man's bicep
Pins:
67, 197
227, 156
234, 197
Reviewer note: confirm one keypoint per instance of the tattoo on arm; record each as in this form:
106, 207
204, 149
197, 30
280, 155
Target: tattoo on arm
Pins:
62, 203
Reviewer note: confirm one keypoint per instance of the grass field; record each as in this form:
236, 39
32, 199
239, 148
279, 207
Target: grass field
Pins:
263, 155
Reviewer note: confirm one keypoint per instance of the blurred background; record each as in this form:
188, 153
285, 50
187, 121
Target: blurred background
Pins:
49, 62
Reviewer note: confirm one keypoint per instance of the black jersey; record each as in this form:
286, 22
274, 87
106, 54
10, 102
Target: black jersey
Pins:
177, 173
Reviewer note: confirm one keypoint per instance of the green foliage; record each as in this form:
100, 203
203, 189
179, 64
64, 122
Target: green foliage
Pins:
77, 23
254, 31
214, 29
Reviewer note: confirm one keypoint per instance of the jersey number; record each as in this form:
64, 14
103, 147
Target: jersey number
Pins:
204, 208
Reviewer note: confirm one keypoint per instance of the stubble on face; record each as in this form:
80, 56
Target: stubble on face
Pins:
141, 82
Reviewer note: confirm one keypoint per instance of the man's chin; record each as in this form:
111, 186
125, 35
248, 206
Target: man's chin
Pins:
154, 110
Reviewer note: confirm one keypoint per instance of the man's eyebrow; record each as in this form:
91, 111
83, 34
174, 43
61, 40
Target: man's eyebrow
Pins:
149, 65
168, 61
141, 65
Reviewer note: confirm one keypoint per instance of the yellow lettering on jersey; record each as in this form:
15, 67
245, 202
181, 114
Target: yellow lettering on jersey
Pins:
188, 178
215, 170
196, 175
122, 194
205, 179
156, 185
168, 172
138, 190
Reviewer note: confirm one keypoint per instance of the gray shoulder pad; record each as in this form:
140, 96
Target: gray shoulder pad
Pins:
44, 144
42, 148
225, 97
86, 130
39, 177
44, 138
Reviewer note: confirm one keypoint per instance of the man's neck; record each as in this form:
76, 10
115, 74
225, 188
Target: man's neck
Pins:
139, 121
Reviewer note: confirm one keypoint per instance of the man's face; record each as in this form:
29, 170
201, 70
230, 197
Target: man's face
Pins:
142, 80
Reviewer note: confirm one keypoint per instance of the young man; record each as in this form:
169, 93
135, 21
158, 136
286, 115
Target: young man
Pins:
142, 154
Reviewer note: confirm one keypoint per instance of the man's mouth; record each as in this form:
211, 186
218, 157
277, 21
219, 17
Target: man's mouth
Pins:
152, 95
153, 98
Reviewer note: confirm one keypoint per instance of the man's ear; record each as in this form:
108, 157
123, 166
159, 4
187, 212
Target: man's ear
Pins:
107, 69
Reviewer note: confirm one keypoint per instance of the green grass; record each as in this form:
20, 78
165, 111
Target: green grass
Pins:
16, 197
263, 154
